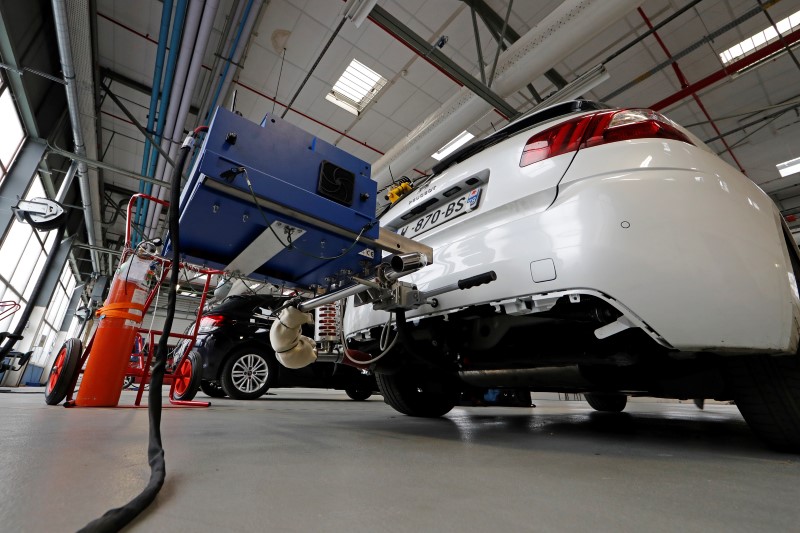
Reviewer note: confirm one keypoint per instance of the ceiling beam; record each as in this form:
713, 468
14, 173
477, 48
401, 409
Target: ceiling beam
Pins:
494, 22
404, 34
106, 72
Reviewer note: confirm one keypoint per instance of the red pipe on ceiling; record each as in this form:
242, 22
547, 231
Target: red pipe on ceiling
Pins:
786, 41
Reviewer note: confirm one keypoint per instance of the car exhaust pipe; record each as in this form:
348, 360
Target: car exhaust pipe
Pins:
292, 349
405, 263
545, 377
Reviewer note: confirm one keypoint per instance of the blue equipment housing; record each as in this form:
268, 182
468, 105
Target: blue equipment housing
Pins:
317, 198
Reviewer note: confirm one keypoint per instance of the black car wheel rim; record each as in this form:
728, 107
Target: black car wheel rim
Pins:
249, 373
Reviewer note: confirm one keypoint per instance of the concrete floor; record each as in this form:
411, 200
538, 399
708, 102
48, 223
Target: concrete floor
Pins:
314, 461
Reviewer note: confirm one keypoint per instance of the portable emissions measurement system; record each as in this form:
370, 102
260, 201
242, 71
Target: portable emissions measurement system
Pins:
274, 202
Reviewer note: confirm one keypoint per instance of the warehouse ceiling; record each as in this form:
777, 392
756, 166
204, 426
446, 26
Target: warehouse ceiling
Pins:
294, 54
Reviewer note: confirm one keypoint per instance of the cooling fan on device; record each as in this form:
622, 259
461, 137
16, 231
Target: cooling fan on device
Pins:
336, 183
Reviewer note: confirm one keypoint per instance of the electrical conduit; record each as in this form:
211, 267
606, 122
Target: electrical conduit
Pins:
166, 16
190, 29
206, 25
172, 60
237, 49
219, 54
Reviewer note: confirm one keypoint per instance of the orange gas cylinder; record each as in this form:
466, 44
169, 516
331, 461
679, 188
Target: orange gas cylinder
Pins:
120, 318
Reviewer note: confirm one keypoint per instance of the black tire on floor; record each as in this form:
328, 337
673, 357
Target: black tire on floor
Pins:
767, 392
63, 371
606, 402
248, 373
358, 395
187, 378
416, 393
212, 389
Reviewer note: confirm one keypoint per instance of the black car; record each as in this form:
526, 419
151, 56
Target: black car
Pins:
235, 359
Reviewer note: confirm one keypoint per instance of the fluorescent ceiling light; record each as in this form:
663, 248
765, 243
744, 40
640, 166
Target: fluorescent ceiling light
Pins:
460, 140
789, 167
759, 39
356, 87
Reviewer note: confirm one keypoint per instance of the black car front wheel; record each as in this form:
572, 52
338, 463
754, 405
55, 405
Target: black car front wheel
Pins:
212, 389
248, 373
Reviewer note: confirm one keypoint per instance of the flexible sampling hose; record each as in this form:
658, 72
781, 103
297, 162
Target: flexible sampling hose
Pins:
116, 519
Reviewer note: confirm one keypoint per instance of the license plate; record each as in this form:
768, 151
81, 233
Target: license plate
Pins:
444, 213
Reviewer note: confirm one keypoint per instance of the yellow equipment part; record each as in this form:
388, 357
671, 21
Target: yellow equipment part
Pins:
398, 192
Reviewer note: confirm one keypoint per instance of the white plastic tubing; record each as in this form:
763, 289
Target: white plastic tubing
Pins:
197, 30
562, 32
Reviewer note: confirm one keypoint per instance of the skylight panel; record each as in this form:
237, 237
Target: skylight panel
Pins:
760, 39
356, 87
460, 140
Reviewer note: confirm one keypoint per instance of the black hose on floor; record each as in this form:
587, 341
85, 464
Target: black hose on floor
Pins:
116, 519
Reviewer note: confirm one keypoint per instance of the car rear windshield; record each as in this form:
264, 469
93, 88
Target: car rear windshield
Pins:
522, 123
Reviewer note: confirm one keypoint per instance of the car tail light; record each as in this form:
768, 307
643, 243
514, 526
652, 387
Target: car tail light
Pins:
631, 124
561, 139
596, 129
210, 322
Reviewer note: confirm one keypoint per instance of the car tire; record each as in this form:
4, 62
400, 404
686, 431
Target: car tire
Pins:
606, 402
358, 395
414, 393
248, 373
63, 371
188, 383
766, 390
212, 389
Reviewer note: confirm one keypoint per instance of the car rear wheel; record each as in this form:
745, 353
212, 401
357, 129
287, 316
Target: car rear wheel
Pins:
358, 395
212, 389
248, 374
416, 393
606, 402
187, 378
767, 392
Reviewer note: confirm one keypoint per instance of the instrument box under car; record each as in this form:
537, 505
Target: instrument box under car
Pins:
301, 181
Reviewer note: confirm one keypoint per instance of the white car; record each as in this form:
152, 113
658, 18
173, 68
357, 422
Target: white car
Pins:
629, 260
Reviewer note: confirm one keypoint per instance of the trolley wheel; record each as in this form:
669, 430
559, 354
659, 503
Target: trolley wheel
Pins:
63, 371
127, 382
187, 378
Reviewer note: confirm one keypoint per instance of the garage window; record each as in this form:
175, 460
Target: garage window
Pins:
11, 134
24, 252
